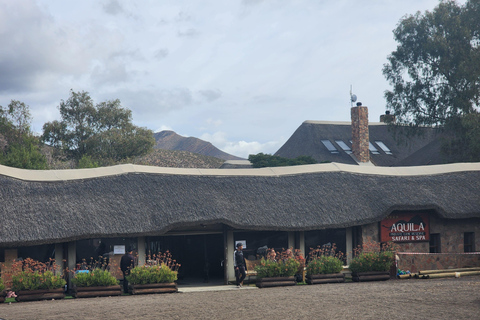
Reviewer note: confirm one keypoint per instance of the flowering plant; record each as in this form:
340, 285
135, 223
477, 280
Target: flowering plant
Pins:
94, 278
324, 260
34, 275
285, 266
373, 256
159, 268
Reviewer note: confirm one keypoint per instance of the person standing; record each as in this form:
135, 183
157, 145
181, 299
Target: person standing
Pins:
127, 263
240, 265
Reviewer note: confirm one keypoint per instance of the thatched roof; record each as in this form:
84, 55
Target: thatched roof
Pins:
64, 205
414, 150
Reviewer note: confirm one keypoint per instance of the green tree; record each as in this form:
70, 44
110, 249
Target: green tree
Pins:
18, 146
435, 70
261, 160
104, 131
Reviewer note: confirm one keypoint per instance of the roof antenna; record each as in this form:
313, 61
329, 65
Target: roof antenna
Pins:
353, 97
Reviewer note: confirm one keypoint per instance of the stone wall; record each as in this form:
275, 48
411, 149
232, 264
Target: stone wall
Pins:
415, 256
437, 261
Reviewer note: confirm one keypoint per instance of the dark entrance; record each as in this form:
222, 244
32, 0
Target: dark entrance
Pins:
200, 256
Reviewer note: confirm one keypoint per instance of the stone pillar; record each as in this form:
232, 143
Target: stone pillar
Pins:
59, 257
229, 256
141, 251
291, 239
301, 242
349, 242
360, 138
71, 260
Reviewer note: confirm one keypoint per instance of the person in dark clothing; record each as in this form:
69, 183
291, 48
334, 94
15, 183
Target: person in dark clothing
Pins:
126, 264
240, 265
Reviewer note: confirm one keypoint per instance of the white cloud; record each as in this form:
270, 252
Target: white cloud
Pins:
239, 148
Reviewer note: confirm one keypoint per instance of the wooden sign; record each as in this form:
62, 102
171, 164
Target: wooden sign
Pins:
405, 227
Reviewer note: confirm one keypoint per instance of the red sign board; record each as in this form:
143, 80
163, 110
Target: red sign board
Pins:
405, 227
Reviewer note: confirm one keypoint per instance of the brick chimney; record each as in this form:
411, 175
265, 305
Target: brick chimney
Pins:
360, 139
387, 117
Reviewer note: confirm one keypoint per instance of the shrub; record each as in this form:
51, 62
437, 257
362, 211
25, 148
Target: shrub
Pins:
34, 275
95, 278
269, 268
373, 257
287, 265
2, 286
152, 274
324, 265
36, 280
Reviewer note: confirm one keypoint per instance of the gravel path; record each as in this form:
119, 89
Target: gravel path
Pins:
394, 299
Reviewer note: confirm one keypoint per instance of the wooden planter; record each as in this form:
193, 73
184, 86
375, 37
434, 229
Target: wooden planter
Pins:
3, 294
32, 295
103, 291
153, 288
276, 282
325, 278
370, 276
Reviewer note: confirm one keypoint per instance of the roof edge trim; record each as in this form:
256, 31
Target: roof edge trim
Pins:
81, 174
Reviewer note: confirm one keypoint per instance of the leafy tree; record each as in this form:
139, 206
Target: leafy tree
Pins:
103, 131
435, 70
18, 146
261, 160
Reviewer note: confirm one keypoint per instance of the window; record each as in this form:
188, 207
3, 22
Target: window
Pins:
469, 242
372, 148
383, 147
435, 243
329, 145
344, 146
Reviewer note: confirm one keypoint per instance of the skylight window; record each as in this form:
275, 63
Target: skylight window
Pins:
344, 146
372, 148
383, 147
329, 145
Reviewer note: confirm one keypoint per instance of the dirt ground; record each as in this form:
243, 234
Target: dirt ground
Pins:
394, 299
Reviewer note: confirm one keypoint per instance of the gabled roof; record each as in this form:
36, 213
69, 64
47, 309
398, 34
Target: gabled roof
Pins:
423, 149
128, 200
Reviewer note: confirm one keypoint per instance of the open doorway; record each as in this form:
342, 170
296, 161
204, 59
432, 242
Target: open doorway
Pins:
200, 256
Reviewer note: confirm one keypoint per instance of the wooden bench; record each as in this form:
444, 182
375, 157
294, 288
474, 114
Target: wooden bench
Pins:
251, 264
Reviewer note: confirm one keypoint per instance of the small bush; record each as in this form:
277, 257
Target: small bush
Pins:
324, 265
27, 280
152, 274
95, 278
373, 257
281, 268
34, 275
2, 286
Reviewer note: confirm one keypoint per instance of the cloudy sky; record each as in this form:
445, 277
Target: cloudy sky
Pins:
242, 74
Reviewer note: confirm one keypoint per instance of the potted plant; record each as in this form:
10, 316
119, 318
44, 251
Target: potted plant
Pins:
158, 275
277, 269
372, 261
95, 283
34, 280
325, 265
2, 291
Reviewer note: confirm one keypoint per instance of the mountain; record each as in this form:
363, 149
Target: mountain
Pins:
169, 140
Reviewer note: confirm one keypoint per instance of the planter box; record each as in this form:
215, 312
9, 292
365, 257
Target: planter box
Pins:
326, 278
370, 276
104, 291
276, 282
153, 288
32, 295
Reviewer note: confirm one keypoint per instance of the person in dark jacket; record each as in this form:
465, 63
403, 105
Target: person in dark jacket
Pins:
240, 265
126, 264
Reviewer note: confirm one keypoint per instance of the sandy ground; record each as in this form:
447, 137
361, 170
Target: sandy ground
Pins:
394, 299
